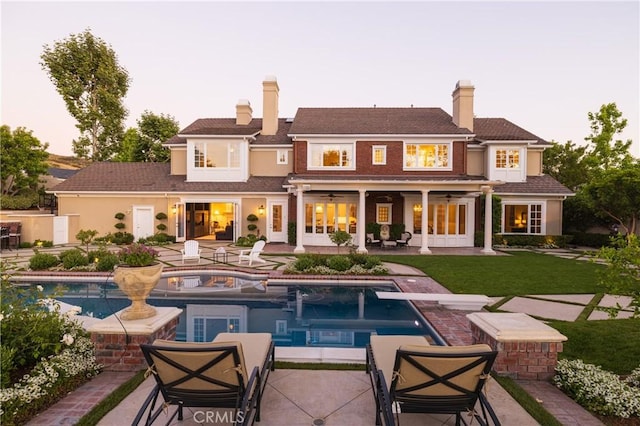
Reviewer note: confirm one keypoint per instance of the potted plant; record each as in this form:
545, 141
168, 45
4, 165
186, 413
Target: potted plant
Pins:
136, 275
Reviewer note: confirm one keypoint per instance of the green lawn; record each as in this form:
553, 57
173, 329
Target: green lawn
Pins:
518, 274
612, 344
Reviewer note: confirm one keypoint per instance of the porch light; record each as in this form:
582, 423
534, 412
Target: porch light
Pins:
417, 207
261, 210
174, 209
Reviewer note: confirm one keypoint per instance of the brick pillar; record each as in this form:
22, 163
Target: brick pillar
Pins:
527, 348
117, 342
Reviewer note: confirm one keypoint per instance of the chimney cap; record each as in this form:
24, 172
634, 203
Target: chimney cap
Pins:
270, 78
463, 83
243, 102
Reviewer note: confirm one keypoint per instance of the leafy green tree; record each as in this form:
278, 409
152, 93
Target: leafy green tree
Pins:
615, 194
566, 164
128, 145
87, 75
24, 160
339, 238
144, 144
606, 153
622, 274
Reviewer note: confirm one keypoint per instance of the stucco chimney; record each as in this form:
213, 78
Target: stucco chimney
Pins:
243, 112
270, 91
463, 104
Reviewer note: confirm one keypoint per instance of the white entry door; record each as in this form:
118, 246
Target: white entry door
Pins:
277, 222
60, 230
142, 222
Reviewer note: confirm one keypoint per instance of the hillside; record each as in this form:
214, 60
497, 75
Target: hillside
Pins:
64, 162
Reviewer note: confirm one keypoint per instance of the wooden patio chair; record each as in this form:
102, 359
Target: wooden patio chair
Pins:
191, 251
252, 255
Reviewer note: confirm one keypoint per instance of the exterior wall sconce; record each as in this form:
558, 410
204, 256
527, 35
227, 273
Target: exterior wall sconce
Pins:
261, 210
174, 209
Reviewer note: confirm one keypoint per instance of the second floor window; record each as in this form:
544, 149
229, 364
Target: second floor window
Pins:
217, 155
334, 156
507, 159
426, 156
379, 155
282, 156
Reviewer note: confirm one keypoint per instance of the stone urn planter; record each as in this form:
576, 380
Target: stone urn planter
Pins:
137, 282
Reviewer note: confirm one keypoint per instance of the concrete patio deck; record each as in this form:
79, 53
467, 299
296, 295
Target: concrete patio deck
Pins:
306, 397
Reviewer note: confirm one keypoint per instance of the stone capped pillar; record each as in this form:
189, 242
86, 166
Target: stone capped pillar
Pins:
117, 342
527, 348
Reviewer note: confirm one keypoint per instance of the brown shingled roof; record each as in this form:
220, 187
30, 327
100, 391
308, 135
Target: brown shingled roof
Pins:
501, 129
221, 126
228, 126
544, 184
155, 177
375, 121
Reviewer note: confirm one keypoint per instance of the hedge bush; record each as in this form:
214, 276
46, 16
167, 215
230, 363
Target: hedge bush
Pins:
339, 263
73, 258
43, 261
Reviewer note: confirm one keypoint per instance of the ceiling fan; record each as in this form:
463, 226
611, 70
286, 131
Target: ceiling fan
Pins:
331, 196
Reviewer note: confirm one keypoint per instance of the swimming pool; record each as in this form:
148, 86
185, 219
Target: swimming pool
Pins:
297, 313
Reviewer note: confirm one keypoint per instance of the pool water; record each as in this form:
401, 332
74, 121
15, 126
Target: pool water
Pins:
301, 315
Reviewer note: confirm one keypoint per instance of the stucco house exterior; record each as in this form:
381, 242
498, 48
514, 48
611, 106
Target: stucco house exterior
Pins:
329, 169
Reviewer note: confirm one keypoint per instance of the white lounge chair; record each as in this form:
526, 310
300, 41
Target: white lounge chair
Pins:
252, 255
191, 251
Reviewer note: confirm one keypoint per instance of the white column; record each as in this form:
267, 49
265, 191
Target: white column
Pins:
488, 221
361, 304
424, 248
299, 220
361, 228
298, 304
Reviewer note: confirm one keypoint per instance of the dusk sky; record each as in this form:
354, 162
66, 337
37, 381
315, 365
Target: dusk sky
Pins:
541, 65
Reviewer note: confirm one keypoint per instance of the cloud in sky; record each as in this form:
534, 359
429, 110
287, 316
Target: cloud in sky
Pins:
542, 65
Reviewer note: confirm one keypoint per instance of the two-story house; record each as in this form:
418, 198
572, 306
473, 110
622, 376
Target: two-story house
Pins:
329, 169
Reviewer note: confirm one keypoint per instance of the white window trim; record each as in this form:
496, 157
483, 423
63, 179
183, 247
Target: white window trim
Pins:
382, 148
528, 203
310, 165
515, 174
284, 154
390, 206
449, 156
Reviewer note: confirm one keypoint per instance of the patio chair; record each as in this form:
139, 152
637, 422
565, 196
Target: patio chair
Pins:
404, 239
409, 376
229, 373
252, 255
371, 240
191, 251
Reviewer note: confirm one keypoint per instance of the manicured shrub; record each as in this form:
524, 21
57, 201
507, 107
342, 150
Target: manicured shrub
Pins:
252, 227
103, 259
161, 227
107, 262
121, 238
599, 391
43, 261
358, 258
292, 233
339, 263
304, 263
161, 216
590, 240
73, 258
53, 349
372, 262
